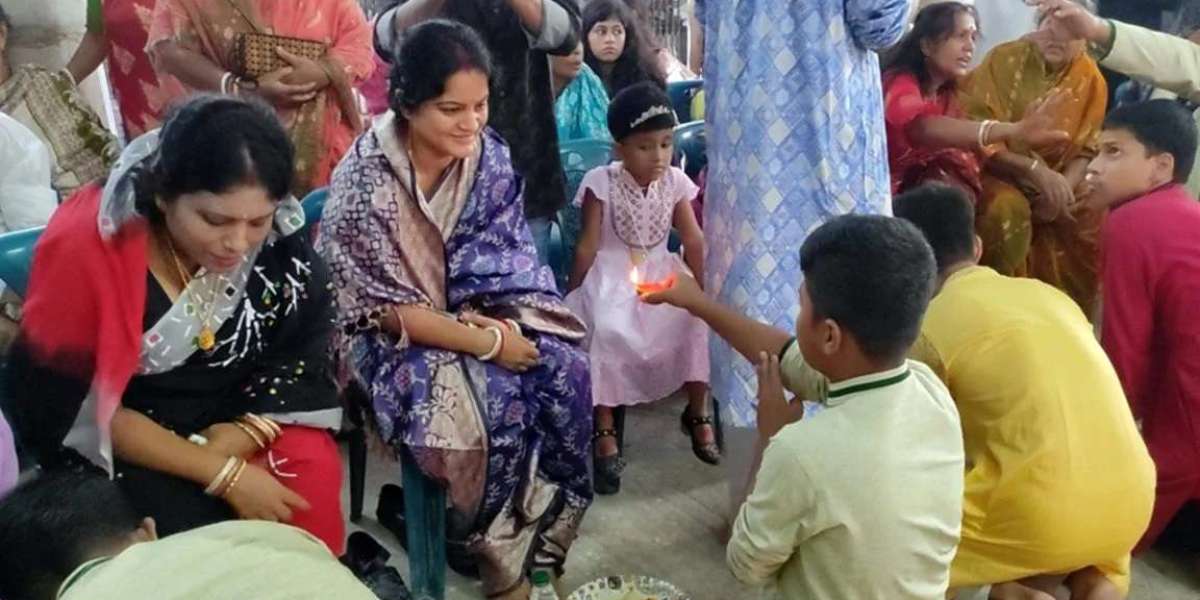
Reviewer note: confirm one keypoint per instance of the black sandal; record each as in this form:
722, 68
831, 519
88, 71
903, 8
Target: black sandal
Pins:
606, 470
708, 452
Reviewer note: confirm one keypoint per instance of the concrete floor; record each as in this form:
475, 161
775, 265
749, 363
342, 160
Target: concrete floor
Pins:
670, 517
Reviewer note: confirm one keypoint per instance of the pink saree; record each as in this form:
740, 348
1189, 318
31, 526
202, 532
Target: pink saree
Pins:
321, 129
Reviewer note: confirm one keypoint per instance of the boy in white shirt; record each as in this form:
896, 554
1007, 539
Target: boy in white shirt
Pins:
864, 498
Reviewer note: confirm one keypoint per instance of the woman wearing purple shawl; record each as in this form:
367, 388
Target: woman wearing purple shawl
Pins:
459, 337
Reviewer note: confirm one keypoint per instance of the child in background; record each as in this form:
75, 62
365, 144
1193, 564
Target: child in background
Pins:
864, 498
639, 353
1150, 264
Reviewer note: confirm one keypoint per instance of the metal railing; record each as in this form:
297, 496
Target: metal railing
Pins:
667, 20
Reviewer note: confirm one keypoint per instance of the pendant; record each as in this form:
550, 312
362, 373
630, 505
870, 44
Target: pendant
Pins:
637, 256
207, 340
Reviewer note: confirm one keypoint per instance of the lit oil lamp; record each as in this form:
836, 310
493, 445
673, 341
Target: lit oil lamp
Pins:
650, 287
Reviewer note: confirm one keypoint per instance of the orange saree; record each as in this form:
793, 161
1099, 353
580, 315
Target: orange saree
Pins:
1063, 252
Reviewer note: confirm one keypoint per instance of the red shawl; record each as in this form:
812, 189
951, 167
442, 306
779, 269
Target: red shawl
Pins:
84, 308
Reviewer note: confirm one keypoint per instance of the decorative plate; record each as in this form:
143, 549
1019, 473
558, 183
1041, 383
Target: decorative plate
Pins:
628, 587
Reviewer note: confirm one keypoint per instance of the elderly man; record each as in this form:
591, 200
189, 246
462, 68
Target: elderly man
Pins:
519, 33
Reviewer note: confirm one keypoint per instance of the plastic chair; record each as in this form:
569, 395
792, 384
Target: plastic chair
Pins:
691, 148
313, 205
578, 157
424, 499
16, 257
681, 94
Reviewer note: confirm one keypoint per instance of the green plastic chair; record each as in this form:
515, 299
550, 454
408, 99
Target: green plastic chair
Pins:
681, 94
424, 499
16, 257
578, 157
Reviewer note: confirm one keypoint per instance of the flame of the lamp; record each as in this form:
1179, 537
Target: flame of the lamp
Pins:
633, 276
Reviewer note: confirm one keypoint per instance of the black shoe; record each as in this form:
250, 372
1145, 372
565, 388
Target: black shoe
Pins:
606, 470
367, 560
706, 452
390, 514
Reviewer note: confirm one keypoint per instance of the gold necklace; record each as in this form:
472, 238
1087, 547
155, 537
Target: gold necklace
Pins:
207, 339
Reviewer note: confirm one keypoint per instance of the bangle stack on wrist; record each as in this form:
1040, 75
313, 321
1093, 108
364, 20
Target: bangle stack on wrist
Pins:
226, 79
232, 85
262, 430
985, 133
226, 478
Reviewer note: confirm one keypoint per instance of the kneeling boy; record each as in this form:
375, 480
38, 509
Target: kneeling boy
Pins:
1150, 248
864, 499
1059, 484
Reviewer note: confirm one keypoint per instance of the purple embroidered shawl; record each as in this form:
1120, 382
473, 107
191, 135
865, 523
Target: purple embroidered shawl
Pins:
385, 251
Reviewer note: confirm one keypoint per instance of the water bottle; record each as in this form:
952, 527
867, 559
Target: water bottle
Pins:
542, 590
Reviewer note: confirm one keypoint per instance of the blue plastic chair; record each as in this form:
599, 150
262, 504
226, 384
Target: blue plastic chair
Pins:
16, 257
424, 499
681, 94
313, 205
578, 157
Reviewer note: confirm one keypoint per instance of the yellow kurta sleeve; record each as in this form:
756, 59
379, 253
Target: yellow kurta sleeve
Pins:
924, 351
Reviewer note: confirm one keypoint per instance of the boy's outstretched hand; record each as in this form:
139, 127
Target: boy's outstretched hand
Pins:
685, 293
774, 411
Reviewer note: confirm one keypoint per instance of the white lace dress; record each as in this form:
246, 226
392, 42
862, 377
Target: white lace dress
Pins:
639, 353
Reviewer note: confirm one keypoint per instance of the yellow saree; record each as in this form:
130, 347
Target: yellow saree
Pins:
1063, 252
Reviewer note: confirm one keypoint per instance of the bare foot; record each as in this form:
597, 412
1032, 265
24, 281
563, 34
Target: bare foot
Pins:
1091, 584
1016, 591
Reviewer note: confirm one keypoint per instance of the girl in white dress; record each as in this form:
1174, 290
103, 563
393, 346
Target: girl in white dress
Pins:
639, 353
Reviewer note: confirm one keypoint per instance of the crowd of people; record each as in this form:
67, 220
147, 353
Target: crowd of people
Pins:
930, 415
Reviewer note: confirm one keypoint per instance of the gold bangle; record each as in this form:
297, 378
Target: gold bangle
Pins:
258, 441
234, 479
219, 480
269, 428
249, 420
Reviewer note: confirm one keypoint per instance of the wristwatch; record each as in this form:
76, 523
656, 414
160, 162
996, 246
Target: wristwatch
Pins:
1100, 51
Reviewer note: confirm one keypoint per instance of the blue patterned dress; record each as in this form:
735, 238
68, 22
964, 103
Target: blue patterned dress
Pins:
795, 136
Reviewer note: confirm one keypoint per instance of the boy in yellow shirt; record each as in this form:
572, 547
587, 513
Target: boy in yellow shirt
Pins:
1059, 485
